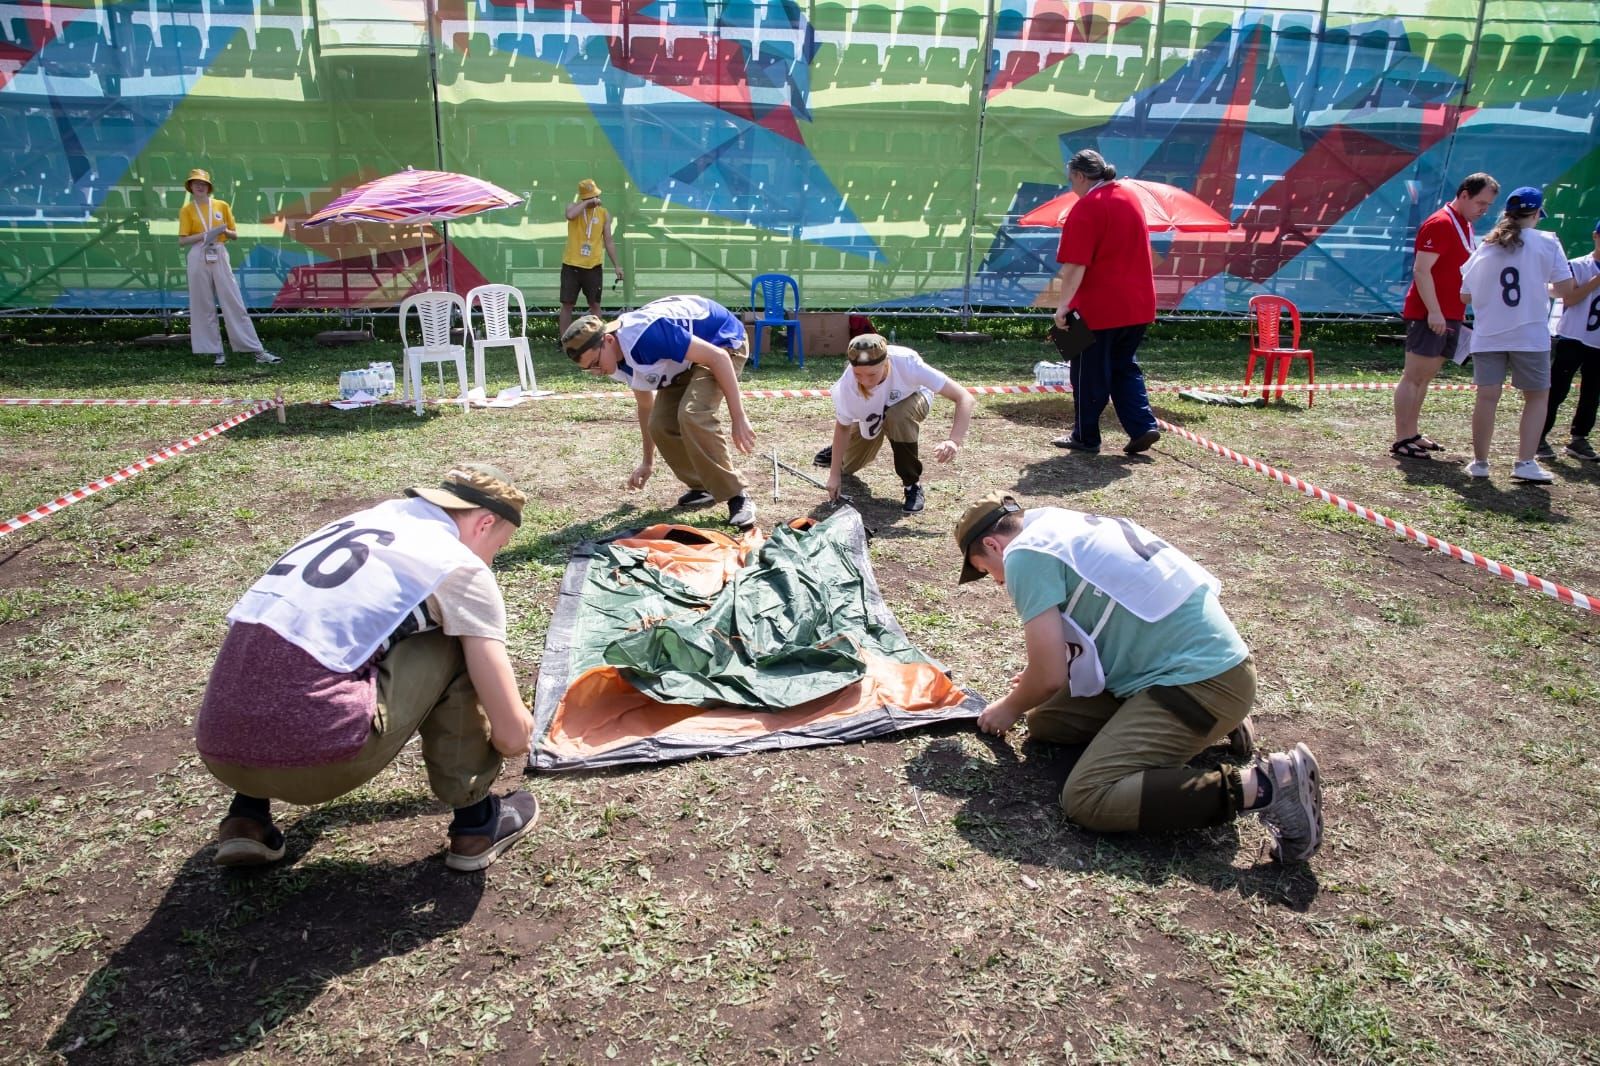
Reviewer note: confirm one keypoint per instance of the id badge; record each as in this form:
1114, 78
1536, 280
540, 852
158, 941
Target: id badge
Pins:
587, 249
211, 253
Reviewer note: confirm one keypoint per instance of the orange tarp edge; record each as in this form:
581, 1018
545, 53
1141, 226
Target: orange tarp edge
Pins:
613, 712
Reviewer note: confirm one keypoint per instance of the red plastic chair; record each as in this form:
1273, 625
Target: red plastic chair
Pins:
1266, 321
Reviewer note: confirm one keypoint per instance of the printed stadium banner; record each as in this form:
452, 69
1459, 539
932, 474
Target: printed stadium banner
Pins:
881, 154
675, 642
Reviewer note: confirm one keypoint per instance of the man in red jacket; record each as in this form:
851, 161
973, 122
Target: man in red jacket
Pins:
1107, 280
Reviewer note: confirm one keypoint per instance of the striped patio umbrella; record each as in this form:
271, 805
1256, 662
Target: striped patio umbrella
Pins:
414, 197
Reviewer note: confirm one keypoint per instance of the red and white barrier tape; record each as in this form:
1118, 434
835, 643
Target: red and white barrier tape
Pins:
132, 470
135, 401
1005, 390
752, 394
1444, 547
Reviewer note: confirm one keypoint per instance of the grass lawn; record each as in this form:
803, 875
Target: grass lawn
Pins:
917, 900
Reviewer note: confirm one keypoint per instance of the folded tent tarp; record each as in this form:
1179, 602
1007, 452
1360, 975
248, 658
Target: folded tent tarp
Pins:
675, 641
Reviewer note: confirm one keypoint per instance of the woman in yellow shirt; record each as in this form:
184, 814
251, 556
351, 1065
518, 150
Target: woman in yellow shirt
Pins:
204, 224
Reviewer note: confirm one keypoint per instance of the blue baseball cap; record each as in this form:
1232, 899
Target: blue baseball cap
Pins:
1526, 198
1597, 227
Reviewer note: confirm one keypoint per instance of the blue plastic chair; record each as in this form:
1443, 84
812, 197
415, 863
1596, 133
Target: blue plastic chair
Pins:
772, 288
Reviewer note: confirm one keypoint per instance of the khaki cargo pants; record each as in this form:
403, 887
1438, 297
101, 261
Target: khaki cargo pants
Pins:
902, 424
1133, 774
686, 426
423, 688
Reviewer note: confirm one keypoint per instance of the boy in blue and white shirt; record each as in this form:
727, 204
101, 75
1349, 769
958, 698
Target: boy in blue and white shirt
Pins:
681, 356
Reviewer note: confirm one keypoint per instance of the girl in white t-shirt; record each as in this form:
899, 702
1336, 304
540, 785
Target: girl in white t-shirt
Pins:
886, 392
1504, 281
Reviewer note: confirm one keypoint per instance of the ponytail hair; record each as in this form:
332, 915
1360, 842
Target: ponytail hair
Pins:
1092, 165
1507, 232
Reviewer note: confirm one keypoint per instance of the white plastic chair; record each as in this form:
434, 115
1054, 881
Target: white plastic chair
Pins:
494, 300
434, 312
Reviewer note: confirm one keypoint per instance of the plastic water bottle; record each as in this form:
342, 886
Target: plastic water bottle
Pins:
1052, 373
384, 380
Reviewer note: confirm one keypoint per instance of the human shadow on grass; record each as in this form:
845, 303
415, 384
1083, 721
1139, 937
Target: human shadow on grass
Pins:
1012, 811
227, 957
1516, 500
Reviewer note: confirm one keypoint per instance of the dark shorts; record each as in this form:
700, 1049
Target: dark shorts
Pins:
1420, 340
586, 280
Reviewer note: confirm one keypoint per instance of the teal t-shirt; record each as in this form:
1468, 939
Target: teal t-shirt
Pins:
1193, 643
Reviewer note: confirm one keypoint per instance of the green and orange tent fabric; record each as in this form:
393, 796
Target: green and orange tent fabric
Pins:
674, 642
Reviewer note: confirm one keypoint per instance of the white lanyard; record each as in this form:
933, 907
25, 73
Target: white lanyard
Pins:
588, 223
1462, 231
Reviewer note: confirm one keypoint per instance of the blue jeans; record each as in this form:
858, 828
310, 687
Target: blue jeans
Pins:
1108, 370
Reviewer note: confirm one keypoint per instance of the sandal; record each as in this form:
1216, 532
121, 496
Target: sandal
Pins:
1410, 448
1429, 443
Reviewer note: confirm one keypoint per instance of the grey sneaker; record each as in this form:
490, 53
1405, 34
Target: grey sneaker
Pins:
916, 499
220, 360
1294, 817
266, 357
1544, 451
741, 512
514, 814
1478, 468
1579, 448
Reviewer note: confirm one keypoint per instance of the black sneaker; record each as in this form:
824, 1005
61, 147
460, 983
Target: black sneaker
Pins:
1544, 451
741, 512
916, 499
824, 457
696, 498
1142, 442
1579, 448
514, 814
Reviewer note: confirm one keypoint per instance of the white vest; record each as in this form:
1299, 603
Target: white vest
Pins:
340, 593
1118, 559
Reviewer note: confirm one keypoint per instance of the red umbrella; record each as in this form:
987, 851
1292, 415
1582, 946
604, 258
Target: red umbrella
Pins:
1166, 208
415, 196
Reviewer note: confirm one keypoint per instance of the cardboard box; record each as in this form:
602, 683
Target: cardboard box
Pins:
822, 333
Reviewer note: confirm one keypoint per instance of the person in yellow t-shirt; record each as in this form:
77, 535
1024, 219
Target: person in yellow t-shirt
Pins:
205, 224
588, 228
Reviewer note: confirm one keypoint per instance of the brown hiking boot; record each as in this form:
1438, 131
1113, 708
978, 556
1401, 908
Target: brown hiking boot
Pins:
244, 841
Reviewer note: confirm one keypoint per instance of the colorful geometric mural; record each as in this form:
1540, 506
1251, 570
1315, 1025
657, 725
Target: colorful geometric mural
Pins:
880, 154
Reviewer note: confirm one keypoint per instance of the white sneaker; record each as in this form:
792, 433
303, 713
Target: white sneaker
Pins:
1478, 468
220, 360
1530, 470
264, 356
